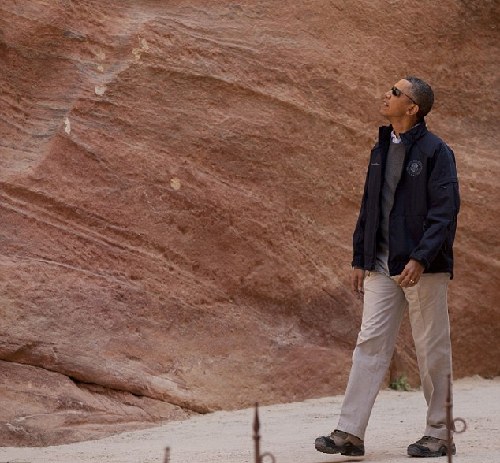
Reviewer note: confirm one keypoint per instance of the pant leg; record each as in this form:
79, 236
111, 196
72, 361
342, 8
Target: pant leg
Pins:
384, 306
428, 310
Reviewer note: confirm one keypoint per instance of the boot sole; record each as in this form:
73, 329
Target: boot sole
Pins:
322, 445
423, 452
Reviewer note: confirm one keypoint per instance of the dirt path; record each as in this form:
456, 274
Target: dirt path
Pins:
288, 431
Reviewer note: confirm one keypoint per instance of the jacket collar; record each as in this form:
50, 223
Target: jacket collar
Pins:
408, 138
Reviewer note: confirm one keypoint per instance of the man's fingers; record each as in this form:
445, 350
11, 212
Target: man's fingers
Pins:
357, 281
410, 276
407, 279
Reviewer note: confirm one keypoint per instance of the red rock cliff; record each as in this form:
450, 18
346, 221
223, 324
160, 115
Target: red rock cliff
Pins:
178, 187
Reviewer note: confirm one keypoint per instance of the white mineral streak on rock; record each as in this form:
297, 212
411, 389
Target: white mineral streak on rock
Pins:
175, 183
100, 89
142, 48
67, 125
100, 55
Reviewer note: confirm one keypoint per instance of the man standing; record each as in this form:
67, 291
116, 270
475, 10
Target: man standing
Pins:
403, 259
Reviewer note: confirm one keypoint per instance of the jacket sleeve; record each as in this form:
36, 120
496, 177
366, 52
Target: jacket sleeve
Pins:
358, 237
443, 204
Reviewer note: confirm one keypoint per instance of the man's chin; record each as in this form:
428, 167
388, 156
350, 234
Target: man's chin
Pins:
383, 111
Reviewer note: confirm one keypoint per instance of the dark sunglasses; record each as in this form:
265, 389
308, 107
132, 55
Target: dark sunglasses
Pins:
397, 93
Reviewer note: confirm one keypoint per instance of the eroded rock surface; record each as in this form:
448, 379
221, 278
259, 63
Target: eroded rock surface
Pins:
179, 182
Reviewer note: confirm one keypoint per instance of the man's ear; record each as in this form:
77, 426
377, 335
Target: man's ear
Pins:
413, 110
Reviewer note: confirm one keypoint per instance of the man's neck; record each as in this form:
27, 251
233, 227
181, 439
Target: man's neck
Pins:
402, 125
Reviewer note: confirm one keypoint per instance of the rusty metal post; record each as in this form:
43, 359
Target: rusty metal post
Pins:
449, 422
259, 458
256, 435
167, 455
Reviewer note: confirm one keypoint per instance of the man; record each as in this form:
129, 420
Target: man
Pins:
403, 259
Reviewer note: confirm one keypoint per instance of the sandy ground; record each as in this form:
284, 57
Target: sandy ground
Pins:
289, 430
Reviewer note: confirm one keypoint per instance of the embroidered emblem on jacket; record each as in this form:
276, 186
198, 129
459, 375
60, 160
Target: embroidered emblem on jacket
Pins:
414, 168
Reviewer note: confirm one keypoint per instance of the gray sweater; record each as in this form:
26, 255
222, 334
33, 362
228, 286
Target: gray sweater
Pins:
393, 169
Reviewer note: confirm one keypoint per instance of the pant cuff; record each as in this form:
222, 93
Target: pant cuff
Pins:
351, 429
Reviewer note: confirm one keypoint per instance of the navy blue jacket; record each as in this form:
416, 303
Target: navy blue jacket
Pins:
423, 220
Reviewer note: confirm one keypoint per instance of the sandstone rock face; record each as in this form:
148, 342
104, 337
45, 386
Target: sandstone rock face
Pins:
179, 182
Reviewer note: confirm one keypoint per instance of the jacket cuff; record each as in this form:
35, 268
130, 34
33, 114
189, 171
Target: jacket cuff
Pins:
421, 260
357, 262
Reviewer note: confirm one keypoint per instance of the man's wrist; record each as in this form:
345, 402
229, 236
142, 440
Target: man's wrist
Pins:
419, 262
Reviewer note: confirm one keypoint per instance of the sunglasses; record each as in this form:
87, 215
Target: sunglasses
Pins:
397, 93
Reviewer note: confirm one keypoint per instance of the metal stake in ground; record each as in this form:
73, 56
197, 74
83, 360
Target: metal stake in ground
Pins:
256, 437
450, 423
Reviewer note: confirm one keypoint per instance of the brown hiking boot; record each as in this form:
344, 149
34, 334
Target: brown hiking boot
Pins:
430, 447
340, 442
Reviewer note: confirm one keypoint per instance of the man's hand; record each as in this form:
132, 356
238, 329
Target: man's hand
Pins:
411, 274
357, 277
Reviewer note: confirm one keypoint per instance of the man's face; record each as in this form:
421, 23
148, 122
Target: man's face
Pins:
397, 106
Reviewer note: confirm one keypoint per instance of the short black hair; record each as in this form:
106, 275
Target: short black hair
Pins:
422, 94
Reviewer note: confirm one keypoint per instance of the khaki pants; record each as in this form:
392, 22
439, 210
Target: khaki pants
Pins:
384, 306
